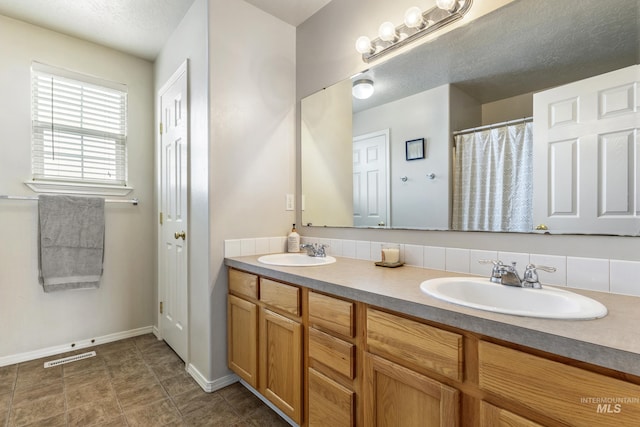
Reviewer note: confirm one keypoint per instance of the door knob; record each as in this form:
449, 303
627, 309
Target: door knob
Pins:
181, 235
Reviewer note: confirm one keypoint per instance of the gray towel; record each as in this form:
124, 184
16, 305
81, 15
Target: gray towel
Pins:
71, 242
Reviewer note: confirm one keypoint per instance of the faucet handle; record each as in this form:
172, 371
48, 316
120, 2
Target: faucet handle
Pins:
496, 271
495, 262
531, 275
542, 267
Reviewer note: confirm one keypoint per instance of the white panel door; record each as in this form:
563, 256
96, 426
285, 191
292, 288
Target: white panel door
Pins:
586, 155
173, 253
371, 180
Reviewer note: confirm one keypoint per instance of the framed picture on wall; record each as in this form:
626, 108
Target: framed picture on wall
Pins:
415, 149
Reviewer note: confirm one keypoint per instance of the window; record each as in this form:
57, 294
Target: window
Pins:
79, 128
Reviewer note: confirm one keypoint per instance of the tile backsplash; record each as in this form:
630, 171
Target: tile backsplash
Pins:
596, 274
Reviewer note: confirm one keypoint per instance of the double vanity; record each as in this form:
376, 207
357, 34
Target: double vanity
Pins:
344, 342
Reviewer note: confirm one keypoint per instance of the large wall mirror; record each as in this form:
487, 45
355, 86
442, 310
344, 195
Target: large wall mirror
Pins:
389, 161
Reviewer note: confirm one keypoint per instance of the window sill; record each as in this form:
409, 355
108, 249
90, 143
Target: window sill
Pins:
77, 188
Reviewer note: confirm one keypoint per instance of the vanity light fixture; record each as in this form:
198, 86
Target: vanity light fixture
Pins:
449, 5
416, 24
362, 88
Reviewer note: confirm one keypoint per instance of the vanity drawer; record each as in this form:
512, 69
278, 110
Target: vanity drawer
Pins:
491, 416
563, 392
332, 314
333, 352
280, 296
420, 346
243, 283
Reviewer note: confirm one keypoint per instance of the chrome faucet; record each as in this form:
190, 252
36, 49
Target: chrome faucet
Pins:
315, 249
508, 275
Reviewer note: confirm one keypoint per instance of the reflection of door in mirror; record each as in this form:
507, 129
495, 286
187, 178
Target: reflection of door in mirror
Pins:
371, 180
586, 155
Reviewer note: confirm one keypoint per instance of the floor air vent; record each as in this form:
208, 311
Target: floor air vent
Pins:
69, 359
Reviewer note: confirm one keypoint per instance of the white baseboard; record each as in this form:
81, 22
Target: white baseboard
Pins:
211, 386
156, 332
64, 348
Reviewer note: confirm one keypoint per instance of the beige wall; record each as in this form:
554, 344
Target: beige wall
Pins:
326, 56
31, 319
252, 140
512, 108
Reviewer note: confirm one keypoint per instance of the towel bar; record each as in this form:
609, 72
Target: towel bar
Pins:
134, 202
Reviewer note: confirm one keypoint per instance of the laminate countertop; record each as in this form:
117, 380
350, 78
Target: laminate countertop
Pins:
612, 342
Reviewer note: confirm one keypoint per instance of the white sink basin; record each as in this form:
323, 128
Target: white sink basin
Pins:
479, 293
295, 260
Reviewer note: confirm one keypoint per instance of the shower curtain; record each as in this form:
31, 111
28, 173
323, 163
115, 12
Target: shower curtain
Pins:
493, 179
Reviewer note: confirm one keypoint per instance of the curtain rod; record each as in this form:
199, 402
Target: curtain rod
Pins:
493, 126
134, 202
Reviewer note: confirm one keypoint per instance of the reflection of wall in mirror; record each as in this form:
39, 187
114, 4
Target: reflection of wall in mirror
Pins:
420, 202
326, 157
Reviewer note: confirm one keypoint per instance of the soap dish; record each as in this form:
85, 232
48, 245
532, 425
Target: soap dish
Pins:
389, 264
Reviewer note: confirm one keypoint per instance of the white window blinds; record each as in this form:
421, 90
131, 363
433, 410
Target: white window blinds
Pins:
79, 127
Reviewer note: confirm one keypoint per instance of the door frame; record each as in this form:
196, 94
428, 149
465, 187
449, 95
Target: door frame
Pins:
183, 68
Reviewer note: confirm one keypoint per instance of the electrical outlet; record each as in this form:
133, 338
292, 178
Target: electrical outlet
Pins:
290, 204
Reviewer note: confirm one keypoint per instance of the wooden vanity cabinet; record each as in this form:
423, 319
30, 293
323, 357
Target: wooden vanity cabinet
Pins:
401, 353
492, 416
562, 392
327, 361
332, 374
398, 396
264, 335
242, 339
242, 326
281, 362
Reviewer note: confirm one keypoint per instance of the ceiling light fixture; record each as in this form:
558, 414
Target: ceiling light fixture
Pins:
416, 24
362, 88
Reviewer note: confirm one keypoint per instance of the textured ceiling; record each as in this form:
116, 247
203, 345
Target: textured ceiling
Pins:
138, 27
293, 12
526, 46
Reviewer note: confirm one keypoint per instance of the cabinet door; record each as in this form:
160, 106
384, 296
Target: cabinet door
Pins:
492, 416
397, 396
330, 404
242, 337
281, 363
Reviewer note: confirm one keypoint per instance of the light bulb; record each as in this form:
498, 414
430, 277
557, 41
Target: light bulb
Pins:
363, 45
449, 5
413, 18
362, 89
387, 32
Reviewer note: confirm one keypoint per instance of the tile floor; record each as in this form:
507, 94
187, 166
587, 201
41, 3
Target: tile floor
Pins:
134, 382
